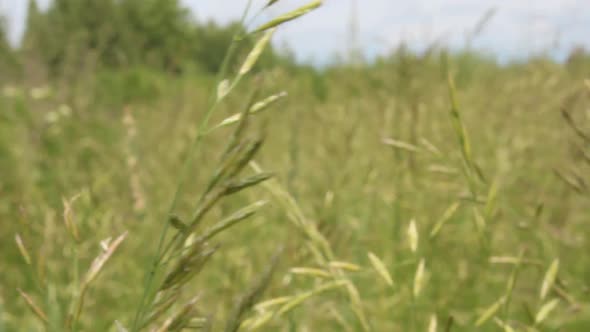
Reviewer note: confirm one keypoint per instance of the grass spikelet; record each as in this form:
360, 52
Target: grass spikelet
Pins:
120, 327
39, 313
99, 261
299, 299
549, 279
270, 3
447, 215
413, 236
545, 310
255, 53
344, 266
504, 326
22, 249
223, 88
309, 271
381, 269
255, 108
289, 16
94, 270
400, 145
464, 141
68, 215
265, 305
231, 220
247, 301
490, 312
491, 200
433, 324
419, 278
253, 324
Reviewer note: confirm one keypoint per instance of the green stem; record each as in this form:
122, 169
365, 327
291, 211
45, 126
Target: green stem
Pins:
192, 151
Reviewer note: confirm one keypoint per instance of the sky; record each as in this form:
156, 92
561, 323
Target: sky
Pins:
517, 28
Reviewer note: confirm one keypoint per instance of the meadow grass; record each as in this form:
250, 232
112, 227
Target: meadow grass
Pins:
425, 193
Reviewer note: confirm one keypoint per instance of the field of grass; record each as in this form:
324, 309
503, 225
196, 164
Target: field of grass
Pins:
424, 193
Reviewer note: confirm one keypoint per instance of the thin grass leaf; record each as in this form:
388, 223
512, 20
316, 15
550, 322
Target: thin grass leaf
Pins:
270, 3
381, 269
491, 199
549, 279
289, 16
39, 313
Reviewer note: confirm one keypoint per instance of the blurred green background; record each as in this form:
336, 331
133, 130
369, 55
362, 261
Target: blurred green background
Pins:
103, 97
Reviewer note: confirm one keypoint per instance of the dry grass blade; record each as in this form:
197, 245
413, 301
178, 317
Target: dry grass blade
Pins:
34, 307
94, 270
549, 279
99, 261
289, 16
381, 269
545, 310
